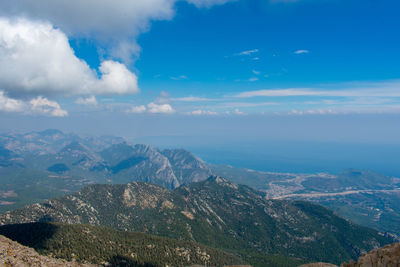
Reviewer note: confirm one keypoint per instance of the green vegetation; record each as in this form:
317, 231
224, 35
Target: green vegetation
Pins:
374, 201
99, 245
216, 213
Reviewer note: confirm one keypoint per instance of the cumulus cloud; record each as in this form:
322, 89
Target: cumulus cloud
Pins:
116, 78
36, 59
39, 105
136, 109
88, 101
117, 23
11, 105
160, 108
42, 105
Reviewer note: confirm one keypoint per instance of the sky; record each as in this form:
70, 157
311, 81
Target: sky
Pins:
245, 71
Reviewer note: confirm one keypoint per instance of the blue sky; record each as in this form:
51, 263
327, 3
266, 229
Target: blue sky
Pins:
202, 63
210, 55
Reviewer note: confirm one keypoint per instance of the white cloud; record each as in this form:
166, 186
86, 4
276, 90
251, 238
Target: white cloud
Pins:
179, 78
36, 59
208, 3
117, 23
203, 112
298, 52
11, 105
44, 106
160, 108
247, 52
313, 112
373, 90
88, 101
253, 79
116, 79
192, 99
162, 98
256, 72
136, 109
39, 105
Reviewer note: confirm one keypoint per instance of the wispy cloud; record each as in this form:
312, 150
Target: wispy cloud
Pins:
247, 52
192, 99
304, 51
179, 78
200, 112
384, 90
284, 1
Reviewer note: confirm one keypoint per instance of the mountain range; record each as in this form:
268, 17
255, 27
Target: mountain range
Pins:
39, 165
217, 213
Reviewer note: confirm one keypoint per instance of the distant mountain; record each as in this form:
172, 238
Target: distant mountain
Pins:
214, 212
105, 246
187, 167
51, 141
51, 163
362, 196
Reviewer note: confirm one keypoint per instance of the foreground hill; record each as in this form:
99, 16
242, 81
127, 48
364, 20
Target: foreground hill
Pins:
14, 254
100, 245
214, 212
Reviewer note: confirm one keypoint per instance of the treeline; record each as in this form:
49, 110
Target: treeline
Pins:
100, 245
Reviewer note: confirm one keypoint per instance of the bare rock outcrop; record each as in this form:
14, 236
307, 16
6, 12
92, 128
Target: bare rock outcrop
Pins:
388, 256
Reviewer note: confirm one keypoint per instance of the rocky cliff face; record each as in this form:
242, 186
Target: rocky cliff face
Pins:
13, 254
